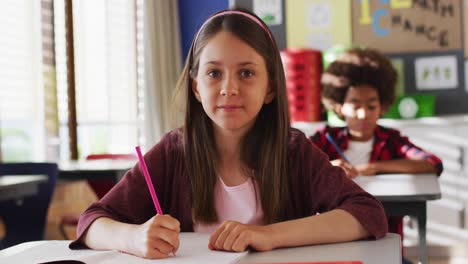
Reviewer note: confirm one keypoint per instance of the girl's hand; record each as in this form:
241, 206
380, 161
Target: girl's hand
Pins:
350, 170
234, 236
367, 169
156, 238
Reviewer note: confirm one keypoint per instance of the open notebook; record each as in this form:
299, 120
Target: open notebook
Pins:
193, 249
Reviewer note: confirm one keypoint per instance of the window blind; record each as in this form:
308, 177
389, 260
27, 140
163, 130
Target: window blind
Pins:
105, 73
21, 89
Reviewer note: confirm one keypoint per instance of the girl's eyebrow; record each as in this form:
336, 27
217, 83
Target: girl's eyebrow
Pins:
247, 63
217, 63
213, 62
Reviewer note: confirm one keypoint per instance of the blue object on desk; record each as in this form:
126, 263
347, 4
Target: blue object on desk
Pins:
25, 220
338, 149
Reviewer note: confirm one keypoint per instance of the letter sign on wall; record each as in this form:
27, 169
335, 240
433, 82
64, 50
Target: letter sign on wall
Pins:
395, 26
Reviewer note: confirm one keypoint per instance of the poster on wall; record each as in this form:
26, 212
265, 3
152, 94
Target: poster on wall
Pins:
398, 26
436, 73
318, 24
270, 11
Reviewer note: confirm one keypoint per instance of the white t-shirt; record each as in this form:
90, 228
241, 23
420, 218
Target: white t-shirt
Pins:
358, 152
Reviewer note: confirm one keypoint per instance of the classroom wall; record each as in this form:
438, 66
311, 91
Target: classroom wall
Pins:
326, 24
192, 14
428, 39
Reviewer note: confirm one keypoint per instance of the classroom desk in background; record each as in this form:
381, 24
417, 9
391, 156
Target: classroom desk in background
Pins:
16, 187
405, 194
94, 169
194, 249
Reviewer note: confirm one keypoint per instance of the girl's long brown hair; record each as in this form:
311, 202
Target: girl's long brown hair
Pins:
264, 147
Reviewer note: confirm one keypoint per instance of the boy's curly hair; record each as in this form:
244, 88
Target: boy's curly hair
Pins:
359, 67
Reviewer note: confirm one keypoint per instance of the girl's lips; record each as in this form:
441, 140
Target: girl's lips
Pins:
229, 108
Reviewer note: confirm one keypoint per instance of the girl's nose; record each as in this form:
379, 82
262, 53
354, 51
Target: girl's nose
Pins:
229, 87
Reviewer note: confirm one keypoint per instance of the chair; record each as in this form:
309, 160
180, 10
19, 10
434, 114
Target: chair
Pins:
102, 186
25, 220
99, 186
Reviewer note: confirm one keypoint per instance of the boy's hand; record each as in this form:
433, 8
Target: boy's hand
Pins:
156, 238
350, 170
234, 236
367, 169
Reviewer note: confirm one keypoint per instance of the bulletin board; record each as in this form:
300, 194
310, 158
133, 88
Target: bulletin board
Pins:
318, 24
261, 8
427, 40
400, 26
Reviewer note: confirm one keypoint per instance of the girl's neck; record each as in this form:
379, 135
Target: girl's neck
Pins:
230, 165
228, 145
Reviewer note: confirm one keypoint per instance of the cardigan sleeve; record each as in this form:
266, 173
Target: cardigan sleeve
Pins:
129, 201
330, 189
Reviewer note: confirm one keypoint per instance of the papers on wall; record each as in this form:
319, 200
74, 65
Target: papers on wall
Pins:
318, 15
270, 11
436, 73
319, 40
318, 24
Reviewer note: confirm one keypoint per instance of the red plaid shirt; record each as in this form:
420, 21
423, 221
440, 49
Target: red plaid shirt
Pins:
389, 144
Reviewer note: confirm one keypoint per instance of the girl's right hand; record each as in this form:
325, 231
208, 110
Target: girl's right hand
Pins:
350, 170
156, 238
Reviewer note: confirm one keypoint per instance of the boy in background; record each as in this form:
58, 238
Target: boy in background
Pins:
359, 87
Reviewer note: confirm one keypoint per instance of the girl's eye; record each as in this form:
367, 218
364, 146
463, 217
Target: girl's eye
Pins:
214, 73
246, 73
371, 107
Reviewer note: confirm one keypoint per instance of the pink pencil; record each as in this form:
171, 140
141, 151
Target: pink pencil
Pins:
149, 183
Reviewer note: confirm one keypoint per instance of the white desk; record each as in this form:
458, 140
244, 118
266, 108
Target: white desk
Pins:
14, 187
383, 251
94, 169
194, 249
405, 194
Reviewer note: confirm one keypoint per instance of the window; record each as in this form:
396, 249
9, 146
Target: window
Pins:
105, 74
106, 77
21, 84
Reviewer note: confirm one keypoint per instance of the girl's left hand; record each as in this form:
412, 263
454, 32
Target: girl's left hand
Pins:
234, 236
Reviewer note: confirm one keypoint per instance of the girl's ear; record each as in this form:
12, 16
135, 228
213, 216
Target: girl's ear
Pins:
269, 96
195, 90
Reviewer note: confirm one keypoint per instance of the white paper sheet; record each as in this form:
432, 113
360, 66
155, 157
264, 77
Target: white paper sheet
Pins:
193, 249
270, 11
436, 73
